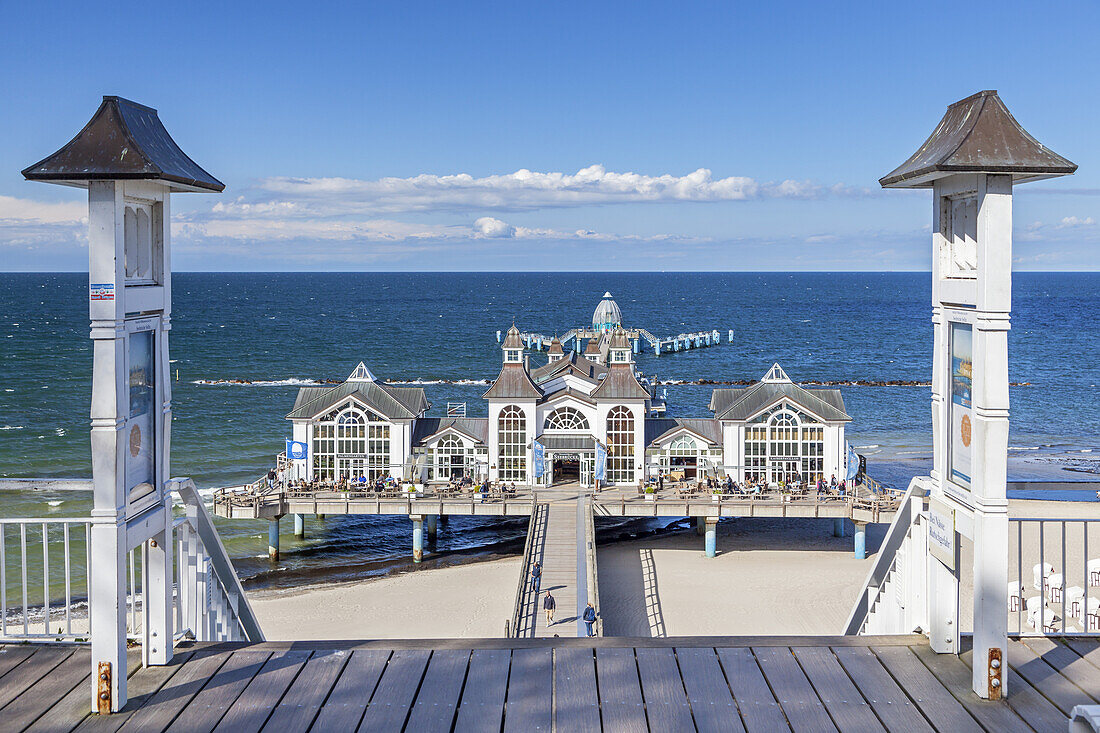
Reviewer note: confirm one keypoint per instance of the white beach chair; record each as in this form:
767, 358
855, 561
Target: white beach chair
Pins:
1015, 595
1075, 597
1091, 617
1056, 585
1039, 574
1093, 567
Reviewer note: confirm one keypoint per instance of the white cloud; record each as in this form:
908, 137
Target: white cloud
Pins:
1071, 222
40, 212
487, 226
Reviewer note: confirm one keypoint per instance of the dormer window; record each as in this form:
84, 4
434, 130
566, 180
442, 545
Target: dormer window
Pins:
620, 357
513, 356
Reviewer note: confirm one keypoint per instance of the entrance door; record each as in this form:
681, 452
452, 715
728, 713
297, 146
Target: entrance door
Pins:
457, 467
567, 470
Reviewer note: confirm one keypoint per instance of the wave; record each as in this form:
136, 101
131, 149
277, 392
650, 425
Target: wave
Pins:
1024, 447
867, 447
11, 427
55, 503
297, 382
292, 382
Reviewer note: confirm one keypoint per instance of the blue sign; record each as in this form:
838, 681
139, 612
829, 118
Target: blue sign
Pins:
601, 461
538, 450
296, 450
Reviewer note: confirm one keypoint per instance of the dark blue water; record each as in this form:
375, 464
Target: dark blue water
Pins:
440, 328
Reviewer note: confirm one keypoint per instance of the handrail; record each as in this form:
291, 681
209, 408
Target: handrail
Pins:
593, 579
220, 563
525, 565
895, 536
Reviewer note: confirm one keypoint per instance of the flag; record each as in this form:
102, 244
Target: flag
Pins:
538, 452
853, 462
601, 462
296, 450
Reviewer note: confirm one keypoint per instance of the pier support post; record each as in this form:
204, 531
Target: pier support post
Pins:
731, 336
299, 526
861, 540
711, 540
273, 540
838, 527
700, 525
432, 526
418, 536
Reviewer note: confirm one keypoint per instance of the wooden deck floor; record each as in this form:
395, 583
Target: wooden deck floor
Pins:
665, 685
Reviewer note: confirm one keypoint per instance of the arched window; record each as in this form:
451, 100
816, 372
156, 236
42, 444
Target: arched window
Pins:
351, 442
791, 445
620, 445
450, 458
351, 433
512, 444
684, 446
566, 418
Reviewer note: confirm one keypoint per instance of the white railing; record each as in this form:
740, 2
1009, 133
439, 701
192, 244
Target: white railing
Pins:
892, 598
45, 570
1054, 571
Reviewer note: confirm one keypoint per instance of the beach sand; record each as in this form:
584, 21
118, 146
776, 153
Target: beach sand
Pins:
461, 601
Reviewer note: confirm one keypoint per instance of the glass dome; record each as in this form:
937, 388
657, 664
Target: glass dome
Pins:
607, 316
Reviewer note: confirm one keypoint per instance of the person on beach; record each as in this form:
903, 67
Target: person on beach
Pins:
589, 617
548, 605
536, 577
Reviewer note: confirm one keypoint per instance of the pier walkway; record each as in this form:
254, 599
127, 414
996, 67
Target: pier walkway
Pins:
669, 685
557, 542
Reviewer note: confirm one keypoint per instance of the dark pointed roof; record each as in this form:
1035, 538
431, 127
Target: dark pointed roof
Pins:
978, 134
513, 382
592, 347
619, 340
124, 140
512, 340
620, 384
555, 347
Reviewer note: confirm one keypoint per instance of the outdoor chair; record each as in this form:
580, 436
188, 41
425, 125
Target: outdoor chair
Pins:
1039, 574
1015, 595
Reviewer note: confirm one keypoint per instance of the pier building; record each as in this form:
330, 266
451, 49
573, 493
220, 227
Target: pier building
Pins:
568, 409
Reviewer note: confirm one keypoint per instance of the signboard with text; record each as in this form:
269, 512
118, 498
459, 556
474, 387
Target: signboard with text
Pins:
960, 336
941, 533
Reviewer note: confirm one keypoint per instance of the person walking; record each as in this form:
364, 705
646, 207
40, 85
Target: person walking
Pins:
589, 618
548, 605
536, 577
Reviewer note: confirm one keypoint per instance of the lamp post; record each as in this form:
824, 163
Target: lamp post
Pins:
130, 166
971, 161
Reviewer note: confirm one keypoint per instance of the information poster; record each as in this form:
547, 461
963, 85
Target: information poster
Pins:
962, 366
140, 427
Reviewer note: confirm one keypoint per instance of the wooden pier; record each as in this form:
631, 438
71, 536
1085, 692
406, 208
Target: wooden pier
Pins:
637, 337
667, 685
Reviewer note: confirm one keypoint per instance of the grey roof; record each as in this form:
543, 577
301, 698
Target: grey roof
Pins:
395, 403
592, 347
512, 340
978, 134
658, 429
620, 384
513, 382
742, 404
568, 392
555, 347
572, 363
619, 340
428, 427
579, 443
124, 140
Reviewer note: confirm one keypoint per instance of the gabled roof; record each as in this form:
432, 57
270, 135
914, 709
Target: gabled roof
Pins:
124, 140
394, 403
476, 428
742, 404
660, 429
620, 384
513, 382
978, 134
572, 363
567, 392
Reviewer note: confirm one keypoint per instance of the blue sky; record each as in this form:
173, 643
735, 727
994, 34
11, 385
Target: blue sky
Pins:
549, 136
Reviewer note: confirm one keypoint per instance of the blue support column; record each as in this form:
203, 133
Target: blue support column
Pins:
418, 537
637, 346
838, 527
657, 348
498, 337
861, 540
273, 540
299, 526
731, 335
711, 541
433, 526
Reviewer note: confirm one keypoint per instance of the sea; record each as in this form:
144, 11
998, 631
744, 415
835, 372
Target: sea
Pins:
243, 343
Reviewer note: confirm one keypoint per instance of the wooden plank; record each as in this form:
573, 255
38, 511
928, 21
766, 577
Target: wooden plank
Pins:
389, 706
576, 706
353, 689
32, 669
800, 703
48, 691
301, 703
482, 706
11, 656
711, 701
220, 692
161, 709
844, 702
75, 708
760, 711
1067, 662
261, 696
890, 704
663, 691
1089, 649
621, 705
955, 677
1030, 705
529, 705
1045, 678
437, 702
938, 705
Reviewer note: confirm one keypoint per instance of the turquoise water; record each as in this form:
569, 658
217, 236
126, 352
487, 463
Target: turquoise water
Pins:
439, 329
